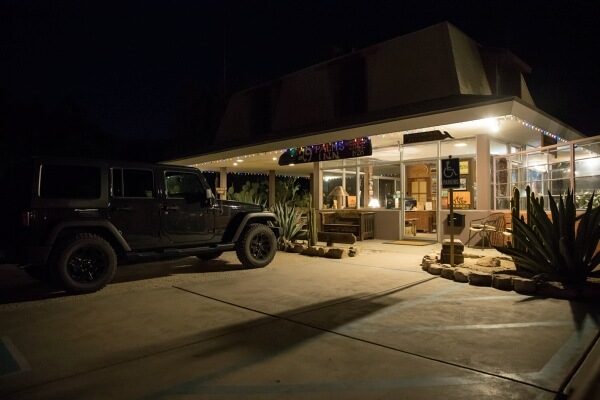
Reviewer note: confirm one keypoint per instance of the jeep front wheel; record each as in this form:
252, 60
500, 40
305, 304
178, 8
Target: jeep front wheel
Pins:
86, 263
257, 246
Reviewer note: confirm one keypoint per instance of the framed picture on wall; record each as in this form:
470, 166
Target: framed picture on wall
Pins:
463, 184
464, 167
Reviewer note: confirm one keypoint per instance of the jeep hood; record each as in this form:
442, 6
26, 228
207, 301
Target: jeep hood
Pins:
240, 206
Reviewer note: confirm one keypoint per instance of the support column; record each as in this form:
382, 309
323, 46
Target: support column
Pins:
272, 186
367, 190
483, 180
316, 186
222, 189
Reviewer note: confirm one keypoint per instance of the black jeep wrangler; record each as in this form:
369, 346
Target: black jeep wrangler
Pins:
72, 221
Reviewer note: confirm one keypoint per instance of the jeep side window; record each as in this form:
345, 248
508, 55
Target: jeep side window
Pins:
132, 183
69, 182
181, 185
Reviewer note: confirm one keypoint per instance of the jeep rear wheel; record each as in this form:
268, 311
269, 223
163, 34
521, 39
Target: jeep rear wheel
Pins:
257, 246
86, 263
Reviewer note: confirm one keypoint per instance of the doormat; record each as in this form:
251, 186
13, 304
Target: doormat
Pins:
411, 242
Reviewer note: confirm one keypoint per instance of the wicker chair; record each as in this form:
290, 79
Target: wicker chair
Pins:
489, 229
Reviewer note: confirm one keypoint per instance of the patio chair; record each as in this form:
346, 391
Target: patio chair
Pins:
488, 229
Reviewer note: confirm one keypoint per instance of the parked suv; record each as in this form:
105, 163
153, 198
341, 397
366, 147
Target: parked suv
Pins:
72, 221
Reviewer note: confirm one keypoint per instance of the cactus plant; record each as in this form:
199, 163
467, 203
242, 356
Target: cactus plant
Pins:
556, 247
312, 223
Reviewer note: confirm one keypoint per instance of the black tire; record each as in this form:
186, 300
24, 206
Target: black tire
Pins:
85, 263
257, 246
210, 256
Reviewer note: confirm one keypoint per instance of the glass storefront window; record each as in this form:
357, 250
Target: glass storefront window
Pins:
464, 197
587, 173
343, 173
549, 171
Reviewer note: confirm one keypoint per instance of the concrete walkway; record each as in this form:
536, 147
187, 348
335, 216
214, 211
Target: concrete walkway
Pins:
373, 326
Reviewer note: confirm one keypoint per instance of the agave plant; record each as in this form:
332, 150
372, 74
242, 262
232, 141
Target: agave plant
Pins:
563, 247
290, 220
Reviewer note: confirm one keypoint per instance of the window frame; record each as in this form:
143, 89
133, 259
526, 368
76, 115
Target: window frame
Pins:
166, 191
73, 165
111, 191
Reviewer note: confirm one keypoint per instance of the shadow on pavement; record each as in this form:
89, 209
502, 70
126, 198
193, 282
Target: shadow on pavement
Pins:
17, 286
254, 343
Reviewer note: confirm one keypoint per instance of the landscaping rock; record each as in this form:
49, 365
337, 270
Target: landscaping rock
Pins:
502, 282
429, 259
425, 267
480, 278
447, 272
435, 269
461, 275
353, 251
335, 253
524, 285
313, 251
458, 244
488, 262
557, 290
458, 252
298, 248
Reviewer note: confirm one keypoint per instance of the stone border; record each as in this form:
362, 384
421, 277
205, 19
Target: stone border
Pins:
502, 281
318, 251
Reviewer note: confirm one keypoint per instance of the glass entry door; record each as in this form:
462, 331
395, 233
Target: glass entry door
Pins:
421, 199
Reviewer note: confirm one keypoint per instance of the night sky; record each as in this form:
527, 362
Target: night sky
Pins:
132, 68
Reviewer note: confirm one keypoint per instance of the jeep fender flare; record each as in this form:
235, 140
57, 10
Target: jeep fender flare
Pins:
252, 217
87, 224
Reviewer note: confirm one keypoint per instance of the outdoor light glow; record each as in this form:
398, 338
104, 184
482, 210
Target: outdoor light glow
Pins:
291, 165
374, 203
239, 160
235, 164
492, 124
461, 144
274, 158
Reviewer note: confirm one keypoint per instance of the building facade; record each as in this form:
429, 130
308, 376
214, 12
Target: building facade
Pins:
418, 99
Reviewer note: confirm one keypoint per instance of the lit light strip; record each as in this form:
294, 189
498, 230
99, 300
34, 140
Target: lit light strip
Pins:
535, 128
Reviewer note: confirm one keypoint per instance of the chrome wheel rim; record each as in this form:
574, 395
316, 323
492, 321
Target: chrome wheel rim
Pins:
87, 264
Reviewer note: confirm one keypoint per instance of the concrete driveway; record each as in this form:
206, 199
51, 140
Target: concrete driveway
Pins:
373, 326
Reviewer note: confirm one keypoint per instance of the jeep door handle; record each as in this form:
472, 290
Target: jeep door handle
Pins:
171, 208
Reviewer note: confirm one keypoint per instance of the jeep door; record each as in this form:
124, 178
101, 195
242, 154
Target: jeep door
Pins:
188, 216
134, 207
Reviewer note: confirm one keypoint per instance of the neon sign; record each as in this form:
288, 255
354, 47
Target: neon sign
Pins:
338, 150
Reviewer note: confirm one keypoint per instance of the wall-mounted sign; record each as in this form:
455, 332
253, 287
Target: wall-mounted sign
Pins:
426, 136
341, 149
451, 173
